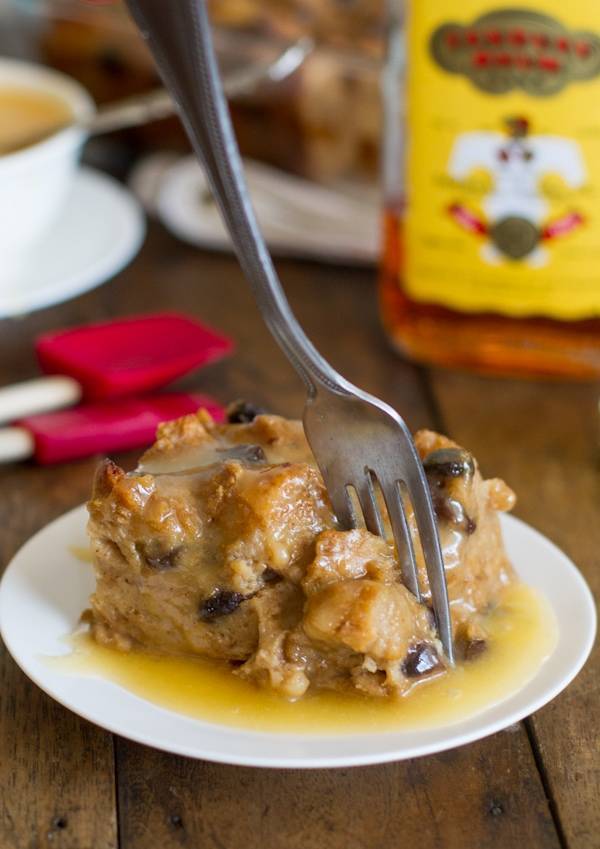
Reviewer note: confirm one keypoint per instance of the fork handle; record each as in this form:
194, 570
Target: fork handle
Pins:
179, 36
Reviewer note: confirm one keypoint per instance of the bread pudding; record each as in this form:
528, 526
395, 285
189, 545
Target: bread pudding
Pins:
223, 544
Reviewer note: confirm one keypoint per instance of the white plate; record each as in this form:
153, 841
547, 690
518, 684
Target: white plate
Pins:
45, 588
298, 218
100, 229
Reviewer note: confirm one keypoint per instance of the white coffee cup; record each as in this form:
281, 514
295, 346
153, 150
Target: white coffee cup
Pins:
35, 180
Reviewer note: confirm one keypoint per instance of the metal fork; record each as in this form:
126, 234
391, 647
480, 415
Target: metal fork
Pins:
356, 439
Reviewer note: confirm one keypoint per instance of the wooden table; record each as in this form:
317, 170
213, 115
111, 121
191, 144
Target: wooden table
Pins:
65, 783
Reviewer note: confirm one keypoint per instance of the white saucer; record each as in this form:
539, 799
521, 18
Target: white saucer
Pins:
100, 229
45, 588
299, 218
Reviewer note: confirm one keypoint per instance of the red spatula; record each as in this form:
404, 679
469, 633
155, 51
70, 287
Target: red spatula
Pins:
113, 359
98, 427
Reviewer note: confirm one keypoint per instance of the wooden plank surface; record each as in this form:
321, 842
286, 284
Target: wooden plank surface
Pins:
543, 438
489, 794
56, 770
480, 796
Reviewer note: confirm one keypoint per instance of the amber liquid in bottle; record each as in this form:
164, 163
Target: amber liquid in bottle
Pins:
489, 342
484, 342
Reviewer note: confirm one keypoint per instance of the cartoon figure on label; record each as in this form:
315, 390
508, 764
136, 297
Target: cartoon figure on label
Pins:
516, 225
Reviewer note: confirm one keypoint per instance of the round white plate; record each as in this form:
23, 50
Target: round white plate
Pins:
45, 588
298, 218
99, 230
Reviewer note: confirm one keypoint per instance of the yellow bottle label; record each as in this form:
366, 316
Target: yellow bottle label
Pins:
503, 157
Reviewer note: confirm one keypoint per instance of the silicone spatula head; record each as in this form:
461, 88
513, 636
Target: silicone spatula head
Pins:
108, 426
130, 355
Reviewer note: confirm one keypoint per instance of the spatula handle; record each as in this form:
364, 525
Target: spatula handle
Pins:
38, 396
16, 443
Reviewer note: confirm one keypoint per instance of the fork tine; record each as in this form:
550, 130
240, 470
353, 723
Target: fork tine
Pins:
366, 497
428, 535
342, 506
402, 538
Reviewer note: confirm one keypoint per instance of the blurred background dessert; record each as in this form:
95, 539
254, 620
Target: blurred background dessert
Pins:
323, 122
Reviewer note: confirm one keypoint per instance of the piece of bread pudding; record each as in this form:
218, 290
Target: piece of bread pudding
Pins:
223, 544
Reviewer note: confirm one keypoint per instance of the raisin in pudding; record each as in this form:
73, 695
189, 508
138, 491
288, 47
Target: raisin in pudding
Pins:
223, 544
